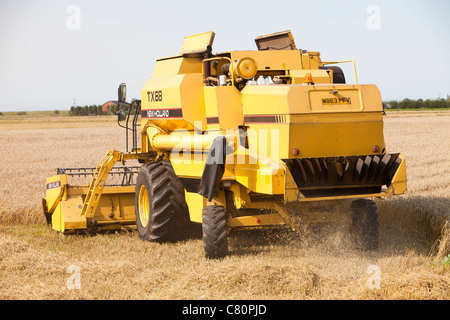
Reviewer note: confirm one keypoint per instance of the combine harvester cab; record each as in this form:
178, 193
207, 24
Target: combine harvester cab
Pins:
240, 140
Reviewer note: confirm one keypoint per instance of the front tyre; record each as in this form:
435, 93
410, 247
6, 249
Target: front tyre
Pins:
214, 226
161, 211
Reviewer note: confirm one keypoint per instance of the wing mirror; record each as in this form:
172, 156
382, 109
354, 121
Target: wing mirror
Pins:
122, 92
121, 115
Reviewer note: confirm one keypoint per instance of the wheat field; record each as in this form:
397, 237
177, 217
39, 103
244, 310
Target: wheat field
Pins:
34, 260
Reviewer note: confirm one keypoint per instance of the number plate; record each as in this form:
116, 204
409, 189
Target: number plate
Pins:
340, 100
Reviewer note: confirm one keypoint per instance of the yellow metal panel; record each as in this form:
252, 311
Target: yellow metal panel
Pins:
170, 95
55, 186
196, 203
191, 65
272, 59
335, 139
183, 92
371, 97
266, 99
314, 60
198, 42
333, 198
176, 65
74, 190
167, 67
70, 214
268, 141
211, 110
346, 99
188, 166
283, 40
306, 64
261, 177
316, 128
116, 207
298, 98
67, 218
256, 221
192, 166
224, 103
319, 76
240, 196
335, 117
398, 185
310, 60
57, 219
192, 100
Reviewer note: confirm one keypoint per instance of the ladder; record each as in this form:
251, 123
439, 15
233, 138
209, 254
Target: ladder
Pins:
99, 180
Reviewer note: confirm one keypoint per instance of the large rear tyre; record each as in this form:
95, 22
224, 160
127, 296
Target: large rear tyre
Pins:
161, 211
365, 225
215, 238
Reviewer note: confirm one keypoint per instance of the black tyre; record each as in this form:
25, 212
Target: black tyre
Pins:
161, 211
365, 224
338, 74
215, 238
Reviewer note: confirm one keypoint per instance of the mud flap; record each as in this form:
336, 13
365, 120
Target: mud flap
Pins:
214, 167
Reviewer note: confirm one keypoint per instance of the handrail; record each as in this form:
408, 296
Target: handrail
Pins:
343, 61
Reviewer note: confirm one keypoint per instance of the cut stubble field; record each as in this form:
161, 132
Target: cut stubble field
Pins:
34, 260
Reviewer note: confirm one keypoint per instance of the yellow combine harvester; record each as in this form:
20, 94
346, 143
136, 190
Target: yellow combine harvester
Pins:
238, 140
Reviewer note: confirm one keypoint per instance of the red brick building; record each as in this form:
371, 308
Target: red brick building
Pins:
107, 105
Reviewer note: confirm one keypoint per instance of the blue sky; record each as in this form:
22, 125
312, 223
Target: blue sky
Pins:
46, 62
